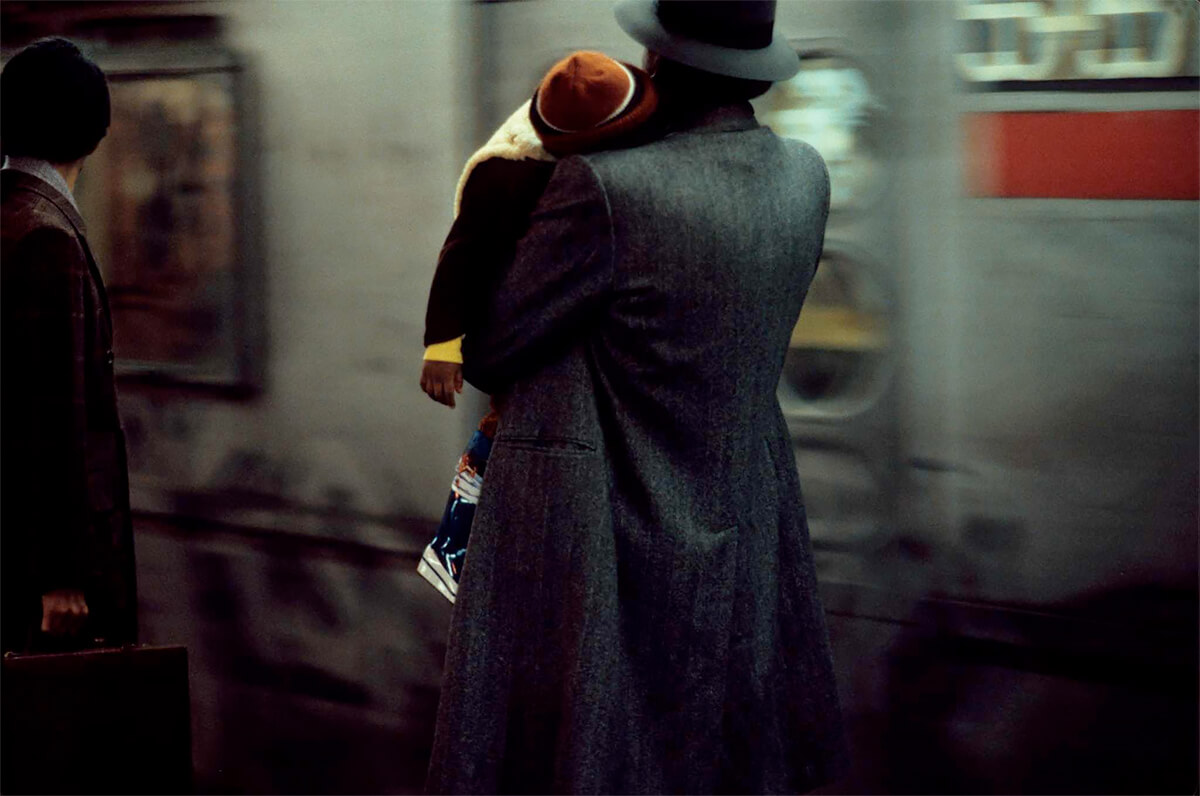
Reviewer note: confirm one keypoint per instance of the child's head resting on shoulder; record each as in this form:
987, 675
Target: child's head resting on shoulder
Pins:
588, 101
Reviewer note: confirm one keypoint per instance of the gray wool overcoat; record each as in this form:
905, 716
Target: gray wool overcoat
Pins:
638, 611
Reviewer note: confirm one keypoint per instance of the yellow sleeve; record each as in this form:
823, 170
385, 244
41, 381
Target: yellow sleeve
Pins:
449, 351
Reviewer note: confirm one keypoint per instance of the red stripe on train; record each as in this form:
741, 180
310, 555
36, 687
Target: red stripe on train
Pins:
1089, 155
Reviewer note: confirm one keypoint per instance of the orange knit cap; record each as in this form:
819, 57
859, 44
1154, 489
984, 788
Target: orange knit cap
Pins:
588, 99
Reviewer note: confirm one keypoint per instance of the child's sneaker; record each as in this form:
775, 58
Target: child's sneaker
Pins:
439, 572
441, 563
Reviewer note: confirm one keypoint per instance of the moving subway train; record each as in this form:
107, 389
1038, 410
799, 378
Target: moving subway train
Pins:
992, 389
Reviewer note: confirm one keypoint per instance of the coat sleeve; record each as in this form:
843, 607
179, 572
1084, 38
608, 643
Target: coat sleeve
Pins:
44, 378
494, 213
554, 291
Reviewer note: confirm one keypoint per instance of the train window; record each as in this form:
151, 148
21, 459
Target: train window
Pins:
830, 105
836, 362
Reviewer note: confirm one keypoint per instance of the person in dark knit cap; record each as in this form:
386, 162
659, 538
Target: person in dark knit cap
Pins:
68, 566
586, 102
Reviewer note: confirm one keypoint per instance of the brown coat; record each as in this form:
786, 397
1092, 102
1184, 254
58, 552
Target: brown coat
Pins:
65, 503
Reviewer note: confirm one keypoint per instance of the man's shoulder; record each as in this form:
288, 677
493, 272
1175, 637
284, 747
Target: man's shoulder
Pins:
754, 142
755, 153
805, 155
25, 210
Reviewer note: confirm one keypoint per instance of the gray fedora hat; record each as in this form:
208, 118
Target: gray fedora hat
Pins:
735, 38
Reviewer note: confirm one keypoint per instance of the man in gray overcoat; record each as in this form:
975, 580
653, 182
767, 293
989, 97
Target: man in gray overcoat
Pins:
639, 612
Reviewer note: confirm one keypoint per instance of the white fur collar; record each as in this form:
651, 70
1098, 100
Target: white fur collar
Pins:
514, 140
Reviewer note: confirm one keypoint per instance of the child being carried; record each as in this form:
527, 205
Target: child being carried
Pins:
585, 103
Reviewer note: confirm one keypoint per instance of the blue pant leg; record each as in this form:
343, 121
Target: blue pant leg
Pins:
454, 530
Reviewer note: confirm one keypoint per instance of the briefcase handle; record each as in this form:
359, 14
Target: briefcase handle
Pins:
69, 646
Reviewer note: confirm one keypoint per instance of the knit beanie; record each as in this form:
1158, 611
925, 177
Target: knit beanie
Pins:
588, 101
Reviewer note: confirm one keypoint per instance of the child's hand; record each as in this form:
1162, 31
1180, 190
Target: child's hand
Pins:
440, 380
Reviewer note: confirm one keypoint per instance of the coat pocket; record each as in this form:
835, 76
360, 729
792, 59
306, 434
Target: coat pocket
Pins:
541, 444
102, 460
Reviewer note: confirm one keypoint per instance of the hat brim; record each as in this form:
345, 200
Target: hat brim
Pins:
776, 61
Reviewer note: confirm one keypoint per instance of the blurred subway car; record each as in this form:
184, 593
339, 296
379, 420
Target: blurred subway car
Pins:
992, 388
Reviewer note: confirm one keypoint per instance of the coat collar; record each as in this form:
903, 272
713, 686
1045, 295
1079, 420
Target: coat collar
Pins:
720, 119
20, 180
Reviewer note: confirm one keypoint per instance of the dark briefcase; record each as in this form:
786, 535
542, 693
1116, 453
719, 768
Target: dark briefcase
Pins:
100, 721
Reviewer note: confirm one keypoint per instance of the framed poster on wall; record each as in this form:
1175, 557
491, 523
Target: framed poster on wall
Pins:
170, 208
